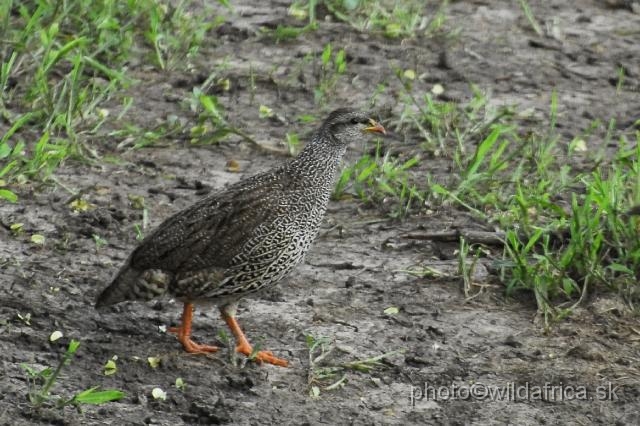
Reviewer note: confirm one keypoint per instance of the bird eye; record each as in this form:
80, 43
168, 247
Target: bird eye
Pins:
355, 121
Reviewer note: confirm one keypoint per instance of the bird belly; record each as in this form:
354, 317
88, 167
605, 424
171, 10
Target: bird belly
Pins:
194, 285
251, 272
263, 261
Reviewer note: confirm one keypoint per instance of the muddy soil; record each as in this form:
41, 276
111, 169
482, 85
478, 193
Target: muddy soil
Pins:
584, 371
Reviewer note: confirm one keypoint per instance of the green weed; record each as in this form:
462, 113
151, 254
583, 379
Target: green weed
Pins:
468, 256
285, 32
380, 177
323, 376
526, 9
293, 143
332, 67
63, 61
176, 33
41, 383
213, 126
299, 10
399, 19
566, 231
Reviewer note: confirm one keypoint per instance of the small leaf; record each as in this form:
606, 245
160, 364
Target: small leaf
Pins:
617, 267
307, 118
211, 106
437, 89
110, 367
137, 201
367, 172
8, 195
37, 239
409, 74
158, 393
99, 240
80, 205
5, 150
315, 391
94, 397
30, 371
392, 310
326, 54
73, 346
578, 145
340, 60
393, 30
298, 12
568, 286
265, 112
180, 384
153, 361
102, 113
26, 318
225, 84
310, 340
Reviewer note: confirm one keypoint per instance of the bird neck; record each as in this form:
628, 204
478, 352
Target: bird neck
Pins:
319, 160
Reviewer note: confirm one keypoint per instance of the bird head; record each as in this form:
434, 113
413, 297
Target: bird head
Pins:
346, 125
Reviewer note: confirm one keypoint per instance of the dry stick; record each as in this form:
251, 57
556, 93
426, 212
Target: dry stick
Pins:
473, 237
497, 238
247, 138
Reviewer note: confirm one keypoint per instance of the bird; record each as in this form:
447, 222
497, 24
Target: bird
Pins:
243, 239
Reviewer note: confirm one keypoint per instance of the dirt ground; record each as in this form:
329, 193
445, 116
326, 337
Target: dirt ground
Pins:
356, 268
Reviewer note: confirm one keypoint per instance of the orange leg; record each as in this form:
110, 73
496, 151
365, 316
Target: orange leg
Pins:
244, 347
184, 333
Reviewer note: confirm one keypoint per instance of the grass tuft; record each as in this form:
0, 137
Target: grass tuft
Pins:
41, 383
565, 227
63, 62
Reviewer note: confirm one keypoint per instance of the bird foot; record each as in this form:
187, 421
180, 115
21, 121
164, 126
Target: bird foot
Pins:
189, 345
261, 356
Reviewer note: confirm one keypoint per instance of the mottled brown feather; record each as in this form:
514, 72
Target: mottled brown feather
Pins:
245, 237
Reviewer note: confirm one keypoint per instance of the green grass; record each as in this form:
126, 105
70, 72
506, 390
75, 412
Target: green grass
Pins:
65, 67
526, 9
391, 19
380, 178
566, 228
333, 64
64, 62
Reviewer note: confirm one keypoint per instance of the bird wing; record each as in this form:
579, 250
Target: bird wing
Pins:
211, 232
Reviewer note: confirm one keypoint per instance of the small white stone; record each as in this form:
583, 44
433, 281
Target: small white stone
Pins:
55, 336
158, 393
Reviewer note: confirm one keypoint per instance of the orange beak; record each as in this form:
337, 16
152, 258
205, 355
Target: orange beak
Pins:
375, 127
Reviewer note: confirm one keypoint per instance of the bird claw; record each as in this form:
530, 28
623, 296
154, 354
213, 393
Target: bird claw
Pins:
262, 356
196, 348
188, 344
269, 358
